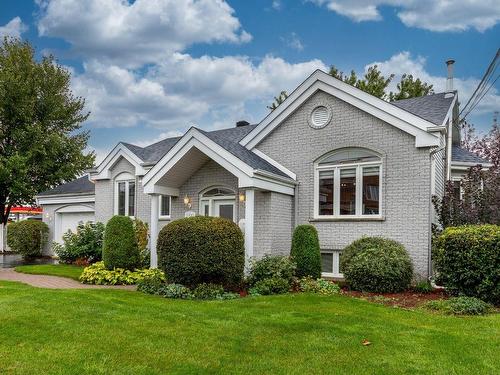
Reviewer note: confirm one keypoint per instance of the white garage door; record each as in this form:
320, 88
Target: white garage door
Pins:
69, 221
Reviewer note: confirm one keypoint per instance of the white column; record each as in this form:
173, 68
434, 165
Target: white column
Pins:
249, 220
153, 227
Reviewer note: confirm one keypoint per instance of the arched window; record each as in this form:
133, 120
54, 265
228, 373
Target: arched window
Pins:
348, 184
125, 194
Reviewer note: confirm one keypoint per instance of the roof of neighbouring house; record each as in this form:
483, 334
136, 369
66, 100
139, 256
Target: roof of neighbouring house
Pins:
433, 108
81, 185
461, 155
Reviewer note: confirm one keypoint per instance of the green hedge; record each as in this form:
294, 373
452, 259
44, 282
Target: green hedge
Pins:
202, 249
306, 252
467, 261
27, 237
375, 264
120, 244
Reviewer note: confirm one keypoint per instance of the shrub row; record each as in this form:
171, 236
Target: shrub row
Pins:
202, 291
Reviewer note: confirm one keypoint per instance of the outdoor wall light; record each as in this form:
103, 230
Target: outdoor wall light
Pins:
187, 201
242, 197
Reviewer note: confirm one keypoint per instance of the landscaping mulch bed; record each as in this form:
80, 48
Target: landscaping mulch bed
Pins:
408, 300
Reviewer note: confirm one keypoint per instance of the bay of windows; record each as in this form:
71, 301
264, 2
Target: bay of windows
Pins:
348, 184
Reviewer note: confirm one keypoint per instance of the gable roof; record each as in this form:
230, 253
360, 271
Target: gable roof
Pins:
461, 155
433, 108
81, 185
226, 138
422, 129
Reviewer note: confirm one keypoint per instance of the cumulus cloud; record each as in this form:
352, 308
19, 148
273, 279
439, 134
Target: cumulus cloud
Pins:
434, 15
182, 89
14, 28
403, 62
141, 32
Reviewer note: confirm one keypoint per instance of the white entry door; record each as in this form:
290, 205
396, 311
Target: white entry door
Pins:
224, 208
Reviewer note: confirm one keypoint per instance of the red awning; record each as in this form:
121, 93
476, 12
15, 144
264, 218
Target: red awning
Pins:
27, 210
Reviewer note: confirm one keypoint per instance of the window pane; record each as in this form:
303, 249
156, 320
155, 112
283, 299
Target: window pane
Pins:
327, 262
131, 198
371, 193
165, 206
121, 198
226, 211
206, 209
348, 191
218, 192
325, 193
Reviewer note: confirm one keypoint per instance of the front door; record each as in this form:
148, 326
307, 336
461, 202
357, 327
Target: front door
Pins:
224, 208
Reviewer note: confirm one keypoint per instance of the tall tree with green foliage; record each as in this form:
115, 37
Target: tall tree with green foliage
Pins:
375, 83
40, 142
278, 100
409, 87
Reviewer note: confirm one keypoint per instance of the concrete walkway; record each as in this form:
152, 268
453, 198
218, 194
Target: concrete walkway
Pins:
53, 282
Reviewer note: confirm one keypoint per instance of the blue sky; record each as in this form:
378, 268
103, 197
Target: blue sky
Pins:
152, 69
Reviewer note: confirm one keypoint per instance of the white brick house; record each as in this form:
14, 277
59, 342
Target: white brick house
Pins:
331, 155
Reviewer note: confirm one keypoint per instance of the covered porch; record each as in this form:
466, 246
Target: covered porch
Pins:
198, 177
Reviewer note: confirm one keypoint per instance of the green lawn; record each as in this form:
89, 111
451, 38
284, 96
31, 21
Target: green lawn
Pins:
122, 332
64, 270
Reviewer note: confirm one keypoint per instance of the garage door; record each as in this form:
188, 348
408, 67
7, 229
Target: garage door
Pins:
70, 220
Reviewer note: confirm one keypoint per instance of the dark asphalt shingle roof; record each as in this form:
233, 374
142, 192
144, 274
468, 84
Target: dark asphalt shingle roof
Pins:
462, 155
81, 185
227, 138
432, 108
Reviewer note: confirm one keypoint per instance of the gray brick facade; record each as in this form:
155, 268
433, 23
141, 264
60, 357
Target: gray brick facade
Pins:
405, 180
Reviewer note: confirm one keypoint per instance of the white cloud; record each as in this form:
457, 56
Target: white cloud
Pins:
183, 89
293, 41
434, 15
138, 33
14, 28
276, 4
404, 63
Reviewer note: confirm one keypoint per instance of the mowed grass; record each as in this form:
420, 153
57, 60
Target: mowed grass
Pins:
64, 270
46, 331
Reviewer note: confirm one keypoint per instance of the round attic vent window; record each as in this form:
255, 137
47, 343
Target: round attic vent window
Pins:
320, 117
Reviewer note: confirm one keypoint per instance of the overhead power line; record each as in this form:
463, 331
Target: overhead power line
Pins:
484, 86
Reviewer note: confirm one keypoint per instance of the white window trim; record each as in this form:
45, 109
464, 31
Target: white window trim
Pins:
165, 217
127, 178
336, 190
336, 265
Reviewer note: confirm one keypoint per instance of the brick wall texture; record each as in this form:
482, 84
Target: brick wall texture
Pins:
405, 180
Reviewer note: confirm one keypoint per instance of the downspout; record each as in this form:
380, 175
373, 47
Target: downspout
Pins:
431, 210
296, 207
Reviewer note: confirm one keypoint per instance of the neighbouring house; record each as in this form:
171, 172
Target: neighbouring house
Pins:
330, 155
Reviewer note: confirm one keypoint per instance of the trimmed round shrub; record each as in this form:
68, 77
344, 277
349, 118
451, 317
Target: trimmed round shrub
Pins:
27, 237
120, 244
306, 252
467, 261
202, 249
375, 264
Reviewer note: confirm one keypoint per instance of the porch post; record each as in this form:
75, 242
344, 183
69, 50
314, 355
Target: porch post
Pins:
153, 225
249, 219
